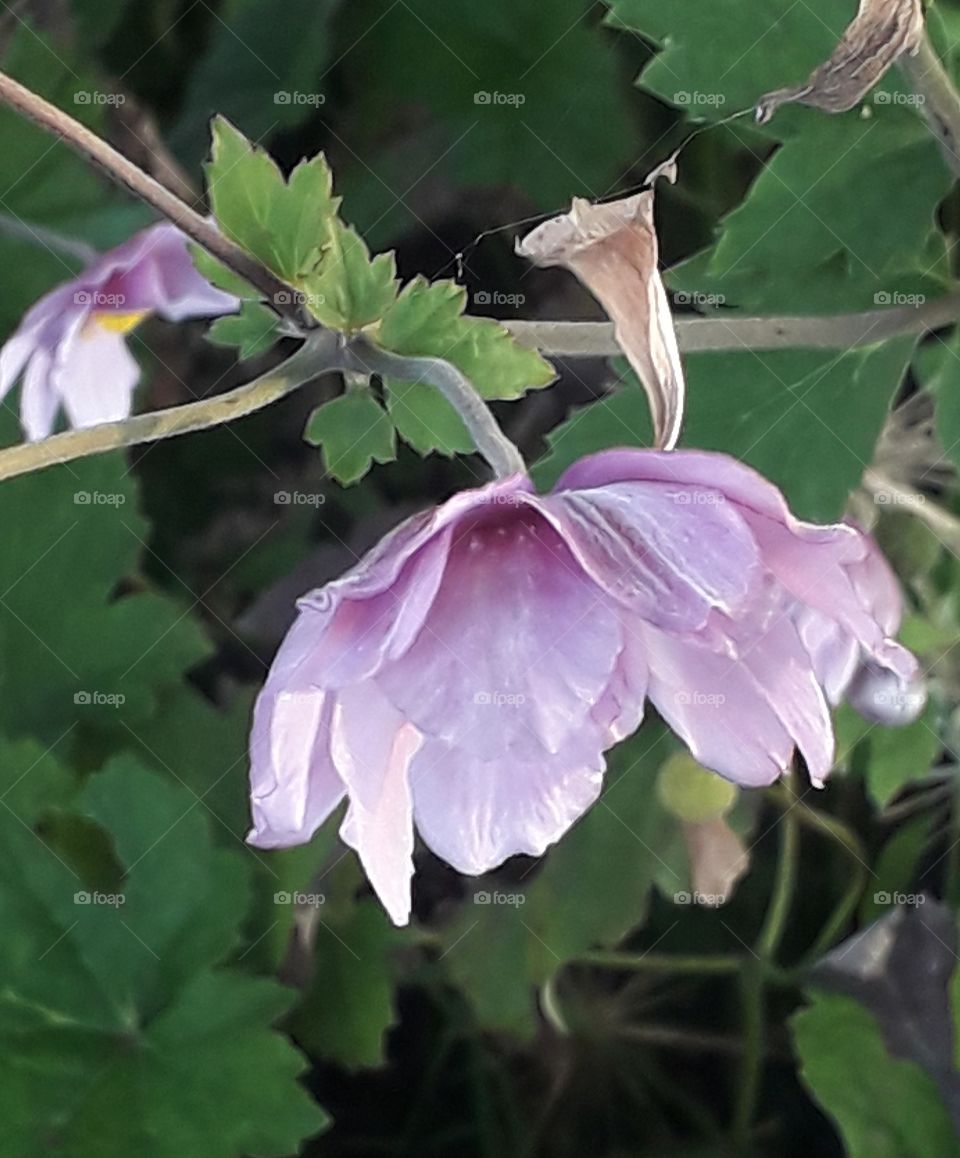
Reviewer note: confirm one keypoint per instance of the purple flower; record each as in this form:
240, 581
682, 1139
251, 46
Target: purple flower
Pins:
71, 346
468, 674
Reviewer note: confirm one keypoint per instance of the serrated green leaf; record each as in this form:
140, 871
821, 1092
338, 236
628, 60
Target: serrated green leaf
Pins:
807, 419
816, 233
836, 1037
427, 319
253, 330
593, 888
219, 275
719, 57
354, 431
281, 223
348, 289
115, 996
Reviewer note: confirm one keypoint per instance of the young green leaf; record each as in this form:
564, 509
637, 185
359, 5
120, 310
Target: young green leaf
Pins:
427, 318
348, 290
354, 431
281, 223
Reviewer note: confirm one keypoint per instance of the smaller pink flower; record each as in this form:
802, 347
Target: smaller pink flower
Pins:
467, 676
71, 345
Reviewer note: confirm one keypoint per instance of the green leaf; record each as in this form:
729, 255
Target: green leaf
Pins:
719, 57
348, 290
281, 223
836, 1038
808, 420
73, 650
425, 420
354, 431
348, 1006
427, 318
114, 996
593, 888
816, 232
253, 330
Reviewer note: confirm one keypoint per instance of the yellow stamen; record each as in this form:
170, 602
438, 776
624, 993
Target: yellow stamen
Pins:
120, 323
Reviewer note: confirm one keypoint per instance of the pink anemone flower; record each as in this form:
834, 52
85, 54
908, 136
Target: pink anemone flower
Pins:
467, 676
71, 346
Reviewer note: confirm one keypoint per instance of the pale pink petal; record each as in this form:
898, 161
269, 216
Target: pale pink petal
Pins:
94, 375
373, 746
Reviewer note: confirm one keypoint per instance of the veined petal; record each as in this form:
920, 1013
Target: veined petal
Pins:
657, 552
516, 649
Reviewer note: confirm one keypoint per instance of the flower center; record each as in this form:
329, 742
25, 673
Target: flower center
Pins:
120, 323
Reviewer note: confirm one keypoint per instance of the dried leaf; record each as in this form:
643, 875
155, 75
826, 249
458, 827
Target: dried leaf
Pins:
718, 860
881, 31
612, 249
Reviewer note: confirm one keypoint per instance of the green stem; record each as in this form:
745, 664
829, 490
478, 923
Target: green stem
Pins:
783, 889
662, 962
752, 1005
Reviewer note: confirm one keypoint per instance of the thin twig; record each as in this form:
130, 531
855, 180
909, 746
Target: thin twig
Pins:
203, 231
732, 332
322, 351
490, 440
940, 106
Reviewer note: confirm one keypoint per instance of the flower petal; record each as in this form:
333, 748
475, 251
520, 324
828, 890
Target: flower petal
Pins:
660, 554
94, 375
373, 746
517, 648
475, 813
